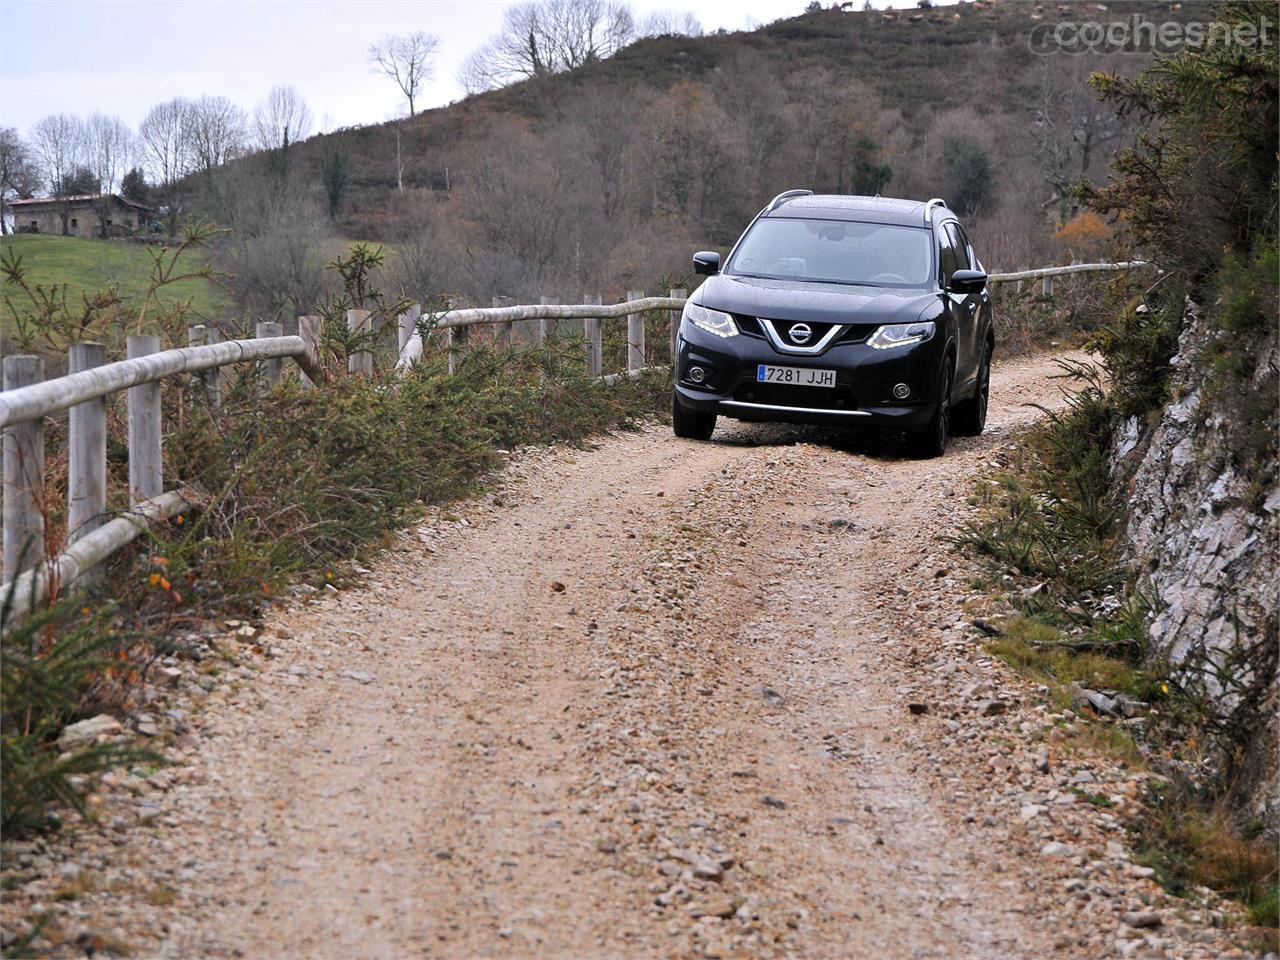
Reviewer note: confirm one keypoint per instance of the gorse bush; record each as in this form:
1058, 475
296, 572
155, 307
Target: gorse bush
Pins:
1056, 514
49, 663
297, 479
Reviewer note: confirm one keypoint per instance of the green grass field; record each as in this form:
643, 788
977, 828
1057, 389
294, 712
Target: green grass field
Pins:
87, 265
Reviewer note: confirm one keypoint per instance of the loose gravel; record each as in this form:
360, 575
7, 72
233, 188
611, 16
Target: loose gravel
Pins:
654, 699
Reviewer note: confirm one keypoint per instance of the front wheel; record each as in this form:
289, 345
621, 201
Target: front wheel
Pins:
690, 424
970, 416
932, 440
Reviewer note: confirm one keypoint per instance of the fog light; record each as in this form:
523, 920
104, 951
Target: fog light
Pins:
901, 391
697, 374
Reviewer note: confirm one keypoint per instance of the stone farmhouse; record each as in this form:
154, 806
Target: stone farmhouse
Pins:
44, 215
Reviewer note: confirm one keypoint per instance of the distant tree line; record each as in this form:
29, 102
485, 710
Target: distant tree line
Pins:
67, 156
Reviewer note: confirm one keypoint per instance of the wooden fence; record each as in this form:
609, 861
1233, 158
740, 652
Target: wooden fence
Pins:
1046, 274
92, 537
455, 322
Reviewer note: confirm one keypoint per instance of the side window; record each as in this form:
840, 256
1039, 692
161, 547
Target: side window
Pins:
946, 256
961, 244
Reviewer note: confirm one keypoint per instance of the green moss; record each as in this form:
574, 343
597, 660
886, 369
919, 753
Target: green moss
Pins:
1039, 651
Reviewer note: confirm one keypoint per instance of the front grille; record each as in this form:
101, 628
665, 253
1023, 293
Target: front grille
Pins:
819, 330
788, 395
750, 326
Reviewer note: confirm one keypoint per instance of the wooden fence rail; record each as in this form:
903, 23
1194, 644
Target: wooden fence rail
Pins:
1046, 274
591, 313
92, 535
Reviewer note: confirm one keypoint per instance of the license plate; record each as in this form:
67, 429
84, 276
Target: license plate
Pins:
797, 376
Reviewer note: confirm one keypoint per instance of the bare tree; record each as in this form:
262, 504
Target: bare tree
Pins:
59, 141
541, 37
19, 175
167, 144
604, 122
406, 60
219, 132
282, 119
110, 151
670, 23
1071, 128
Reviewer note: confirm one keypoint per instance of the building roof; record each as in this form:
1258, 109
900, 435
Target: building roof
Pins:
78, 198
840, 207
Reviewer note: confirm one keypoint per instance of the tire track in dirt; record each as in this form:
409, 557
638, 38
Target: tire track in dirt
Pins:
646, 700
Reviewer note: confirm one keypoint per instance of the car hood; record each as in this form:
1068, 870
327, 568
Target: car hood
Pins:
812, 302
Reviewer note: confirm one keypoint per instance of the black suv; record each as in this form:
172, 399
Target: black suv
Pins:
857, 311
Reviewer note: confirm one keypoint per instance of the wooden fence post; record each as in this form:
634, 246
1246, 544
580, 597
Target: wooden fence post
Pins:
593, 328
407, 322
502, 331
23, 476
213, 378
309, 328
546, 328
361, 361
146, 471
1046, 285
272, 370
87, 450
676, 294
635, 334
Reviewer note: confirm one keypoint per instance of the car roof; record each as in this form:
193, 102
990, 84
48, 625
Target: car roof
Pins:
841, 207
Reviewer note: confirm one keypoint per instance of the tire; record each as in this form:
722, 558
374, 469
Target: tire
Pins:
970, 416
690, 424
932, 440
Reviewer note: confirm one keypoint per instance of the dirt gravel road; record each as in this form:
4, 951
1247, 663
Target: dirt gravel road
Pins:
656, 699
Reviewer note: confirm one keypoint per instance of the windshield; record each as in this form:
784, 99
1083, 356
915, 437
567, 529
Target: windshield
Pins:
835, 251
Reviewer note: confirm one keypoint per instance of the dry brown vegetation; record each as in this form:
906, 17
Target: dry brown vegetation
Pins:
606, 177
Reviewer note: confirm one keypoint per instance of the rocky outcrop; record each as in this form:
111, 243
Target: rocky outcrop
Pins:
1204, 539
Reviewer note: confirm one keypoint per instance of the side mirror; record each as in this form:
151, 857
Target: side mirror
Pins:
968, 281
706, 263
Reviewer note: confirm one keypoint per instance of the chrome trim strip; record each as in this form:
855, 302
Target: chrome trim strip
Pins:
774, 406
782, 347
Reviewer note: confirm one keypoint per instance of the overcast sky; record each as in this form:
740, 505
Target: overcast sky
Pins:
123, 56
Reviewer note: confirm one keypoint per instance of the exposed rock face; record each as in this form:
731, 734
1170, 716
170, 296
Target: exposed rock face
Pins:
1206, 545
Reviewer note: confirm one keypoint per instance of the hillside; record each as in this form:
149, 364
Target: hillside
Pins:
608, 176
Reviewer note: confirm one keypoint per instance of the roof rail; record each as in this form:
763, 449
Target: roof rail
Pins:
786, 195
928, 208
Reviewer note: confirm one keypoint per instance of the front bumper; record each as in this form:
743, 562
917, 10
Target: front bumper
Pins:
862, 396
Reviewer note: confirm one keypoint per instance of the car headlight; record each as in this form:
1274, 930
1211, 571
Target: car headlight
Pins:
712, 321
900, 334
